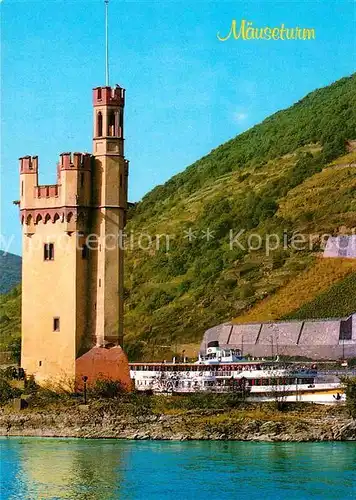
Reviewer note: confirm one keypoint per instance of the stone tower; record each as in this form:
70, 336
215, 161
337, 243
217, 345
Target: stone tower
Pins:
72, 267
110, 201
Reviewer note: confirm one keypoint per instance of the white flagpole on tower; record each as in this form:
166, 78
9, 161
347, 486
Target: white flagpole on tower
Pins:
106, 42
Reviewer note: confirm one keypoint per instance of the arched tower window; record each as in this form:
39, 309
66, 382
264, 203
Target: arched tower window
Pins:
99, 130
111, 124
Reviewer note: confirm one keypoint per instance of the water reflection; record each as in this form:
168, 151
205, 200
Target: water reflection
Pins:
109, 469
73, 469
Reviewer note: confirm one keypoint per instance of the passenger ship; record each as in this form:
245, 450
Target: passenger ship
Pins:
225, 370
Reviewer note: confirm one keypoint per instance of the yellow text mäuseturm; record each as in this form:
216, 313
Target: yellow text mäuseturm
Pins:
247, 31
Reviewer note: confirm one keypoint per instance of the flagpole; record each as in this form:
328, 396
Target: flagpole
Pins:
106, 43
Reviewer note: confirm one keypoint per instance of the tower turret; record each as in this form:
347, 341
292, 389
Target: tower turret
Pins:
110, 199
108, 134
28, 179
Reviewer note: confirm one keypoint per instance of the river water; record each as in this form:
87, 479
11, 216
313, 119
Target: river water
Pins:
42, 468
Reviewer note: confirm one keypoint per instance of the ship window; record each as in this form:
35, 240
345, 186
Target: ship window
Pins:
48, 251
56, 324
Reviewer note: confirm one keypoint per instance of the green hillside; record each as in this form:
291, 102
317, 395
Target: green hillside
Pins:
10, 271
338, 300
278, 177
291, 173
10, 322
305, 290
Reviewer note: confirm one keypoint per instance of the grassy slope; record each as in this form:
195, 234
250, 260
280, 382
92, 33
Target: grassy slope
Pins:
338, 300
317, 281
288, 279
288, 173
10, 271
10, 318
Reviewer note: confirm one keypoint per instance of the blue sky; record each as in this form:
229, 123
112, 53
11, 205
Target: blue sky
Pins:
186, 91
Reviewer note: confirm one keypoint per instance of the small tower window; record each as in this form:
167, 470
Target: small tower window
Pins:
99, 94
82, 179
111, 124
48, 251
85, 251
121, 124
99, 125
40, 363
121, 180
21, 188
56, 324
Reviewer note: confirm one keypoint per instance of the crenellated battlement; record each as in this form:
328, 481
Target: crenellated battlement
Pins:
67, 161
47, 191
28, 164
105, 96
75, 161
73, 186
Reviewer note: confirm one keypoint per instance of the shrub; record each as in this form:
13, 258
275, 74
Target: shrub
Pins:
4, 318
30, 385
9, 373
158, 299
278, 259
246, 291
14, 346
183, 287
43, 396
7, 392
106, 388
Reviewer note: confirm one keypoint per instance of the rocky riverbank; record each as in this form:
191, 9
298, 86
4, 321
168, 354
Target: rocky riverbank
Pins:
246, 423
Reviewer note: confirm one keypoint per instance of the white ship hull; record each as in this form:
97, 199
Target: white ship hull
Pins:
253, 385
226, 371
